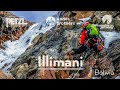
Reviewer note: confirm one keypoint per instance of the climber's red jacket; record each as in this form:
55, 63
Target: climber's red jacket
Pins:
83, 37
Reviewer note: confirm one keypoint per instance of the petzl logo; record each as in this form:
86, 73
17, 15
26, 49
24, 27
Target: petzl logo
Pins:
50, 20
107, 19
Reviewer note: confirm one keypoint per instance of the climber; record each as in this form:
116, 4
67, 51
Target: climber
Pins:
90, 38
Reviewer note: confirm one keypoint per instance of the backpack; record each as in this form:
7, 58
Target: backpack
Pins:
93, 33
92, 30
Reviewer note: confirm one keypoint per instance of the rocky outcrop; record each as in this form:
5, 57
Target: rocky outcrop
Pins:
9, 14
57, 43
98, 15
5, 75
10, 32
114, 51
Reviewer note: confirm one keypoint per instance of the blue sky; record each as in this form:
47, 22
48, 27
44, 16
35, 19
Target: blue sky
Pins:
34, 16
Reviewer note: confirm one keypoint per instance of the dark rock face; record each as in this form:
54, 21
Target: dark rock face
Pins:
114, 51
57, 43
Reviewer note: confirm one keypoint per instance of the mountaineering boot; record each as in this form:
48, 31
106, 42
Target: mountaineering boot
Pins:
70, 52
